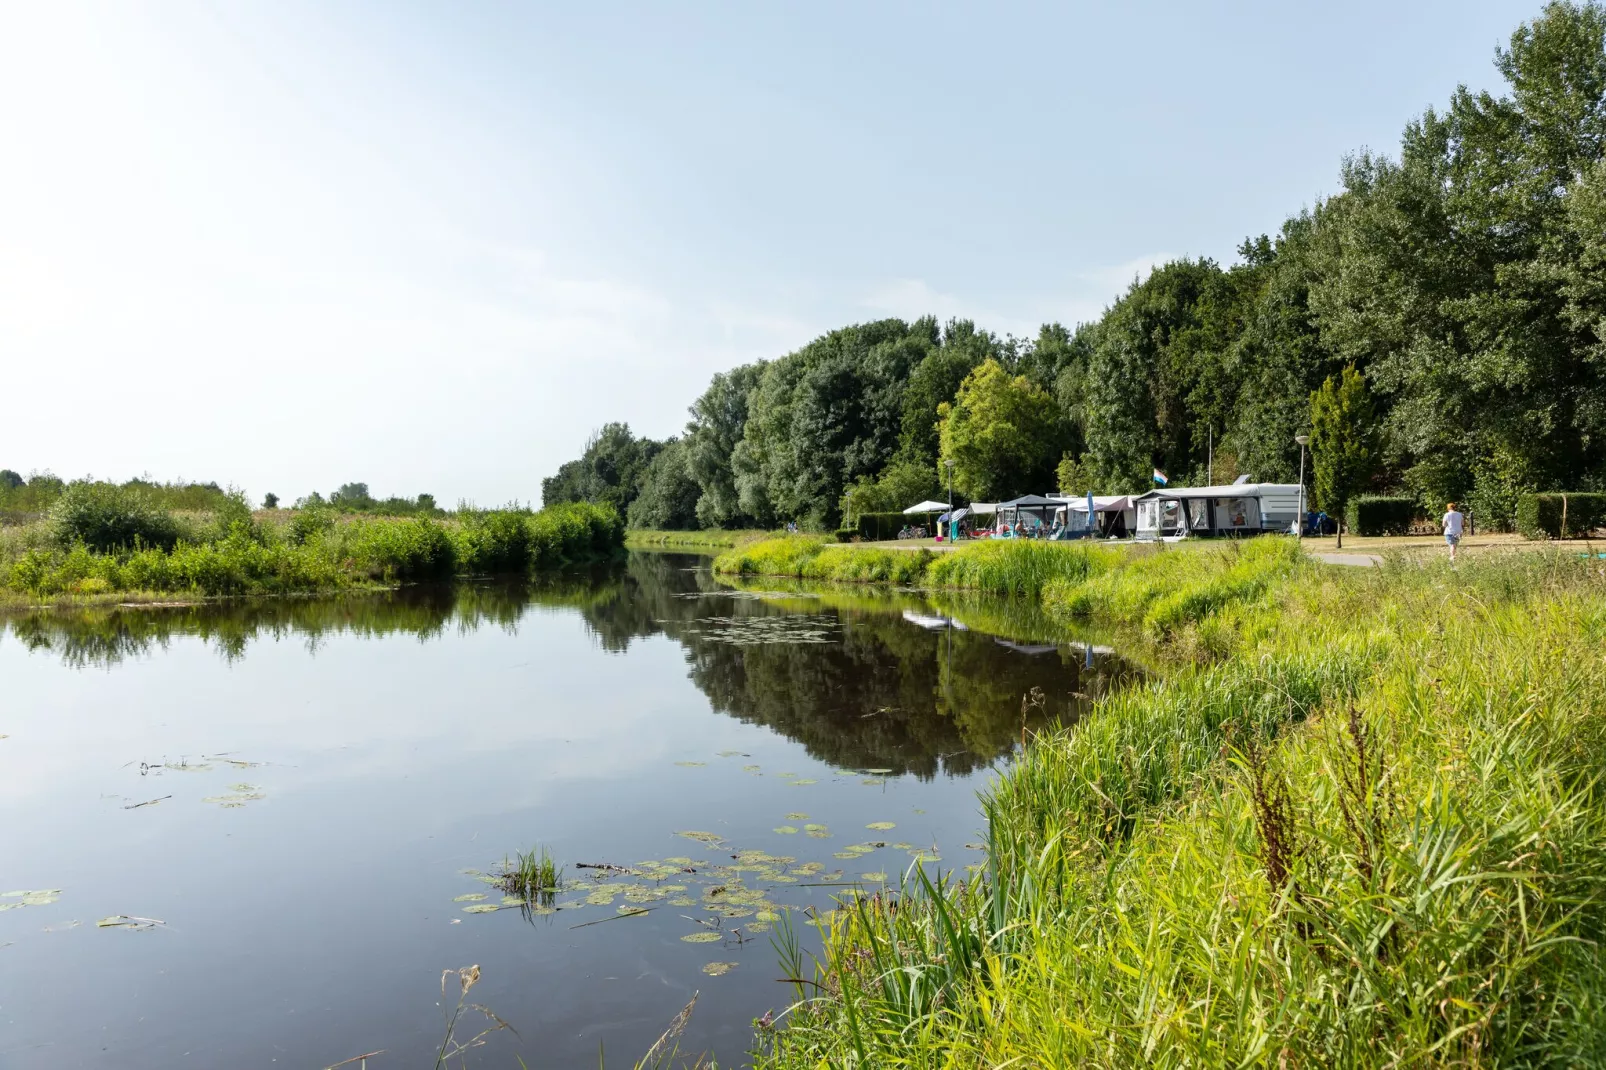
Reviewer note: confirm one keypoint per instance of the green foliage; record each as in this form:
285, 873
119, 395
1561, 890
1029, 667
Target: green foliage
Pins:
1557, 516
310, 523
877, 527
668, 494
1380, 515
270, 501
232, 555
1072, 476
10, 480
900, 485
105, 517
1322, 844
609, 472
718, 420
1342, 441
1002, 434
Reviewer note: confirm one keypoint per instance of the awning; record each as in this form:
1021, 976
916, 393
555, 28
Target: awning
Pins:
1031, 501
927, 506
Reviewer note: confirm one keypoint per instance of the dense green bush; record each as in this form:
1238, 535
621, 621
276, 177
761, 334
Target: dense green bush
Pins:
846, 534
492, 541
878, 526
104, 517
310, 523
1540, 516
1372, 515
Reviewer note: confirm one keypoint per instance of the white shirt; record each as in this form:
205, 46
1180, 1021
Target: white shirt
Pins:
1453, 522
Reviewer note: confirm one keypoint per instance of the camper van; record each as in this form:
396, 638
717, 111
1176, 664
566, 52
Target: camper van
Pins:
1239, 509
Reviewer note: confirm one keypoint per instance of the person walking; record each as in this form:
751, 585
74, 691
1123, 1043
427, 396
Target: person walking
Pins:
1453, 524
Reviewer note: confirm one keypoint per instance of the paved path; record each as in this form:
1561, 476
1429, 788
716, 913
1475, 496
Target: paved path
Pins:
1360, 560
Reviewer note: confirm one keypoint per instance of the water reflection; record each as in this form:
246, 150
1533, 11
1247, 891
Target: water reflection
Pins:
864, 679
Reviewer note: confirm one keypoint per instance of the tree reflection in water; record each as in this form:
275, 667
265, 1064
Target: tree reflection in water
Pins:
864, 679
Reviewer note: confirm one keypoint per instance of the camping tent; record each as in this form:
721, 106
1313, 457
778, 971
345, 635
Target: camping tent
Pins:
927, 506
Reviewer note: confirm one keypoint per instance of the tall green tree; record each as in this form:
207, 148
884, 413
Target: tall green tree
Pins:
668, 495
1343, 442
1003, 434
718, 421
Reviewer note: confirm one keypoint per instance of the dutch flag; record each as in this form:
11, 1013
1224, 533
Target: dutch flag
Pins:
1159, 477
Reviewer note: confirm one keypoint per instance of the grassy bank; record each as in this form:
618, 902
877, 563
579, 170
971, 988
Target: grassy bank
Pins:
711, 541
1360, 822
159, 555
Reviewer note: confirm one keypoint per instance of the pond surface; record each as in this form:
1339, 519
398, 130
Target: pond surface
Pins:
292, 808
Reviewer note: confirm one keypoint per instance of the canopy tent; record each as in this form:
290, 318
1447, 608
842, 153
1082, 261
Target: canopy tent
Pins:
927, 506
983, 508
1028, 507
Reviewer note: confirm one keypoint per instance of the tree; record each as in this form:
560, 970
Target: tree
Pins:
668, 497
1002, 434
270, 501
352, 496
718, 420
426, 503
900, 485
10, 480
1073, 477
1342, 442
608, 472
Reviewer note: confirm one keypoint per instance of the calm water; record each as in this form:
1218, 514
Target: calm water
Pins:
333, 776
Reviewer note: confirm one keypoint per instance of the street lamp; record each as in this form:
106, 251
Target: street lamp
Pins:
953, 527
1303, 440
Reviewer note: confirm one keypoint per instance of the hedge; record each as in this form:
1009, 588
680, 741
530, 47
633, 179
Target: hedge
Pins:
1539, 516
1380, 516
874, 527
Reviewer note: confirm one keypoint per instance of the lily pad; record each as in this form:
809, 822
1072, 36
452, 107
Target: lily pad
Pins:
803, 782
877, 877
797, 816
690, 765
710, 838
786, 830
768, 916
719, 969
481, 908
882, 826
702, 938
472, 897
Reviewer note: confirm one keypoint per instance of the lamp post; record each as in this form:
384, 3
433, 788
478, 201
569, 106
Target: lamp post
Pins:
953, 527
1303, 440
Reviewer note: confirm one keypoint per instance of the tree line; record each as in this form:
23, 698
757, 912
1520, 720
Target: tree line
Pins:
1438, 325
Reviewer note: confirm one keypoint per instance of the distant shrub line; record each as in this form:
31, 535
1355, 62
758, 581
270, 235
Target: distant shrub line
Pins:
101, 539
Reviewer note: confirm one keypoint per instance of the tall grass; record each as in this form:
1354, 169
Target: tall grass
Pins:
1372, 834
233, 554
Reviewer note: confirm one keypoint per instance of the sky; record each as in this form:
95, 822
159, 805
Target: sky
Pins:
431, 247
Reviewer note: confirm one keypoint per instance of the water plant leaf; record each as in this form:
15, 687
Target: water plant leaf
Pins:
690, 764
702, 938
801, 782
786, 830
768, 916
481, 908
751, 768
719, 969
814, 828
713, 839
797, 816
471, 897
874, 782
877, 877
882, 826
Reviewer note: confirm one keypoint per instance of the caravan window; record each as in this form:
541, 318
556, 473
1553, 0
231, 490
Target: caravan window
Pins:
1170, 515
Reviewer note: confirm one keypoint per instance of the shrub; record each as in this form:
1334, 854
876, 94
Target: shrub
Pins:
846, 534
1372, 515
493, 541
104, 517
1540, 516
311, 523
879, 526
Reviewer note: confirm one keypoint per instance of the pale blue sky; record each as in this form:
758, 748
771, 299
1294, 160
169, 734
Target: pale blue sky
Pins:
432, 246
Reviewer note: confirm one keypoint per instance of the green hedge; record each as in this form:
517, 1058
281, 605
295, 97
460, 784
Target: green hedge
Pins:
1380, 516
877, 526
1539, 516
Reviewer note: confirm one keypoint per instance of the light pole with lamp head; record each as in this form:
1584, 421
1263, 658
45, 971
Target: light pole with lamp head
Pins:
1303, 440
953, 527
